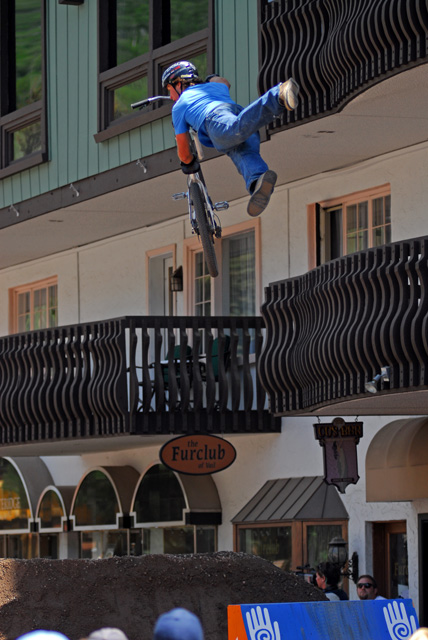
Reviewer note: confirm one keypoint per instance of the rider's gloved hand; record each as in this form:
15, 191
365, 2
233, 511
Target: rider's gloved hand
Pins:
192, 167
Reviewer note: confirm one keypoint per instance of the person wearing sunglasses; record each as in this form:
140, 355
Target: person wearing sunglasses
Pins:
367, 588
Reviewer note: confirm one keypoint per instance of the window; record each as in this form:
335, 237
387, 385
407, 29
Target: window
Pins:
236, 291
34, 306
291, 544
138, 40
22, 95
349, 224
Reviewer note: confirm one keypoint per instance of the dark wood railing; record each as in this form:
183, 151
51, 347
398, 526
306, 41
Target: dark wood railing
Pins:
336, 49
133, 375
331, 331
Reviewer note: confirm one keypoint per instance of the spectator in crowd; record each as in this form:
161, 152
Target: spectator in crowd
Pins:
178, 624
367, 588
420, 634
43, 634
327, 578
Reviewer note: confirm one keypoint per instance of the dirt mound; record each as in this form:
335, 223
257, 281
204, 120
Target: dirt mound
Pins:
79, 596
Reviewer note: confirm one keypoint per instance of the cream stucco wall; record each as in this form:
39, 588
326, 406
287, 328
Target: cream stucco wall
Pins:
108, 279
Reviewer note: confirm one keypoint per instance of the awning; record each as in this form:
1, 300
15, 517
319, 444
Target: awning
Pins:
397, 462
304, 498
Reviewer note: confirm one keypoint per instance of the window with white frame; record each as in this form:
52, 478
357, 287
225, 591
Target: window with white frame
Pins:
34, 306
235, 292
350, 223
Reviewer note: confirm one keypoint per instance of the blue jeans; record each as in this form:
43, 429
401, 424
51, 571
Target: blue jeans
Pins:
233, 130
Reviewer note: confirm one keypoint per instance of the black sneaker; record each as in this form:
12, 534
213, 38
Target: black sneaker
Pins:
288, 94
262, 193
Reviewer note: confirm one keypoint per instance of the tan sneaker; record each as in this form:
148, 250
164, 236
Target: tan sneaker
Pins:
262, 193
288, 94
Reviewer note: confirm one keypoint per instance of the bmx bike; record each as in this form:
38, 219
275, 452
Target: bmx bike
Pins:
203, 216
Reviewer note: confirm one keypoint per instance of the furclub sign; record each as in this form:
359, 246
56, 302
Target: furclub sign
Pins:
197, 455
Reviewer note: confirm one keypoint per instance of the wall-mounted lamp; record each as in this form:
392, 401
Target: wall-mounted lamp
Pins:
371, 386
338, 554
176, 280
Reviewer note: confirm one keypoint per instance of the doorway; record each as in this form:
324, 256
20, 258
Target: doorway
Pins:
390, 558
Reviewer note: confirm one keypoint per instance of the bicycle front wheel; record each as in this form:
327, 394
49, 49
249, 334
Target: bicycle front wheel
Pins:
206, 232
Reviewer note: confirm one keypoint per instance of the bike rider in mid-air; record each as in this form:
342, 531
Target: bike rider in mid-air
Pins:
208, 108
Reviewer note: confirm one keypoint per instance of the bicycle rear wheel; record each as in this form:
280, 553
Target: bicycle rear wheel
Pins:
206, 233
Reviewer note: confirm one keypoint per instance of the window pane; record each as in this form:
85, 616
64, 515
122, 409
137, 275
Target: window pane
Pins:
23, 303
188, 16
40, 319
199, 264
51, 511
126, 95
26, 140
28, 22
132, 29
388, 234
270, 543
179, 540
14, 509
200, 63
351, 218
377, 212
363, 240
96, 502
378, 236
387, 209
398, 565
159, 496
318, 537
205, 540
239, 274
363, 215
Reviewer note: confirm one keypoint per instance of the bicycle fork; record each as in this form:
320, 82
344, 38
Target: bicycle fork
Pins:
215, 224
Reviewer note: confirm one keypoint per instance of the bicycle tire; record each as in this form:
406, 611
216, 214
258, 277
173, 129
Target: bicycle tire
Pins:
206, 234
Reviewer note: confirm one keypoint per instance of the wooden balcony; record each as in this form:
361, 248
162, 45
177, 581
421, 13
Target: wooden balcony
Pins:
334, 329
133, 376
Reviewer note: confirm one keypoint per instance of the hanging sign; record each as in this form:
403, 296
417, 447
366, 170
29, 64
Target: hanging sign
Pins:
198, 454
339, 440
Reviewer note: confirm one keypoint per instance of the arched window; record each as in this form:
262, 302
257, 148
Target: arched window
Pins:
96, 503
15, 510
159, 497
51, 511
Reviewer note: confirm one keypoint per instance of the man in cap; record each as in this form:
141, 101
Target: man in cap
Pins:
178, 624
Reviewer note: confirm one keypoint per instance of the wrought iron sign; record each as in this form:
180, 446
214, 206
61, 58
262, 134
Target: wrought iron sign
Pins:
339, 440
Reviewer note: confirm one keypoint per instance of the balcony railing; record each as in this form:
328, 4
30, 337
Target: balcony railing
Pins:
133, 375
337, 49
332, 330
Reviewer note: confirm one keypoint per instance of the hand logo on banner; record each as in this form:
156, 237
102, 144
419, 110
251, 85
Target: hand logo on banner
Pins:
397, 621
260, 626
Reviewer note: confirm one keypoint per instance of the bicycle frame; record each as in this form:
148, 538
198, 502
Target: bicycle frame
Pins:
203, 218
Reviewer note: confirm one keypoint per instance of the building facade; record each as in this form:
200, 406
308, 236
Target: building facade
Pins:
100, 360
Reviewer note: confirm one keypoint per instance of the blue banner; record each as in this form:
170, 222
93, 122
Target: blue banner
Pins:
344, 620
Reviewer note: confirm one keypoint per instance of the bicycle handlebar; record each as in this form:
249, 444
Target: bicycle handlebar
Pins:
144, 103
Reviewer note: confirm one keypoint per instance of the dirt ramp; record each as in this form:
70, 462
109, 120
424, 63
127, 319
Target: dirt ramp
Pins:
79, 596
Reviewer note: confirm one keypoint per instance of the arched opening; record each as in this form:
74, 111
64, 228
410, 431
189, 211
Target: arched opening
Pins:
174, 514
